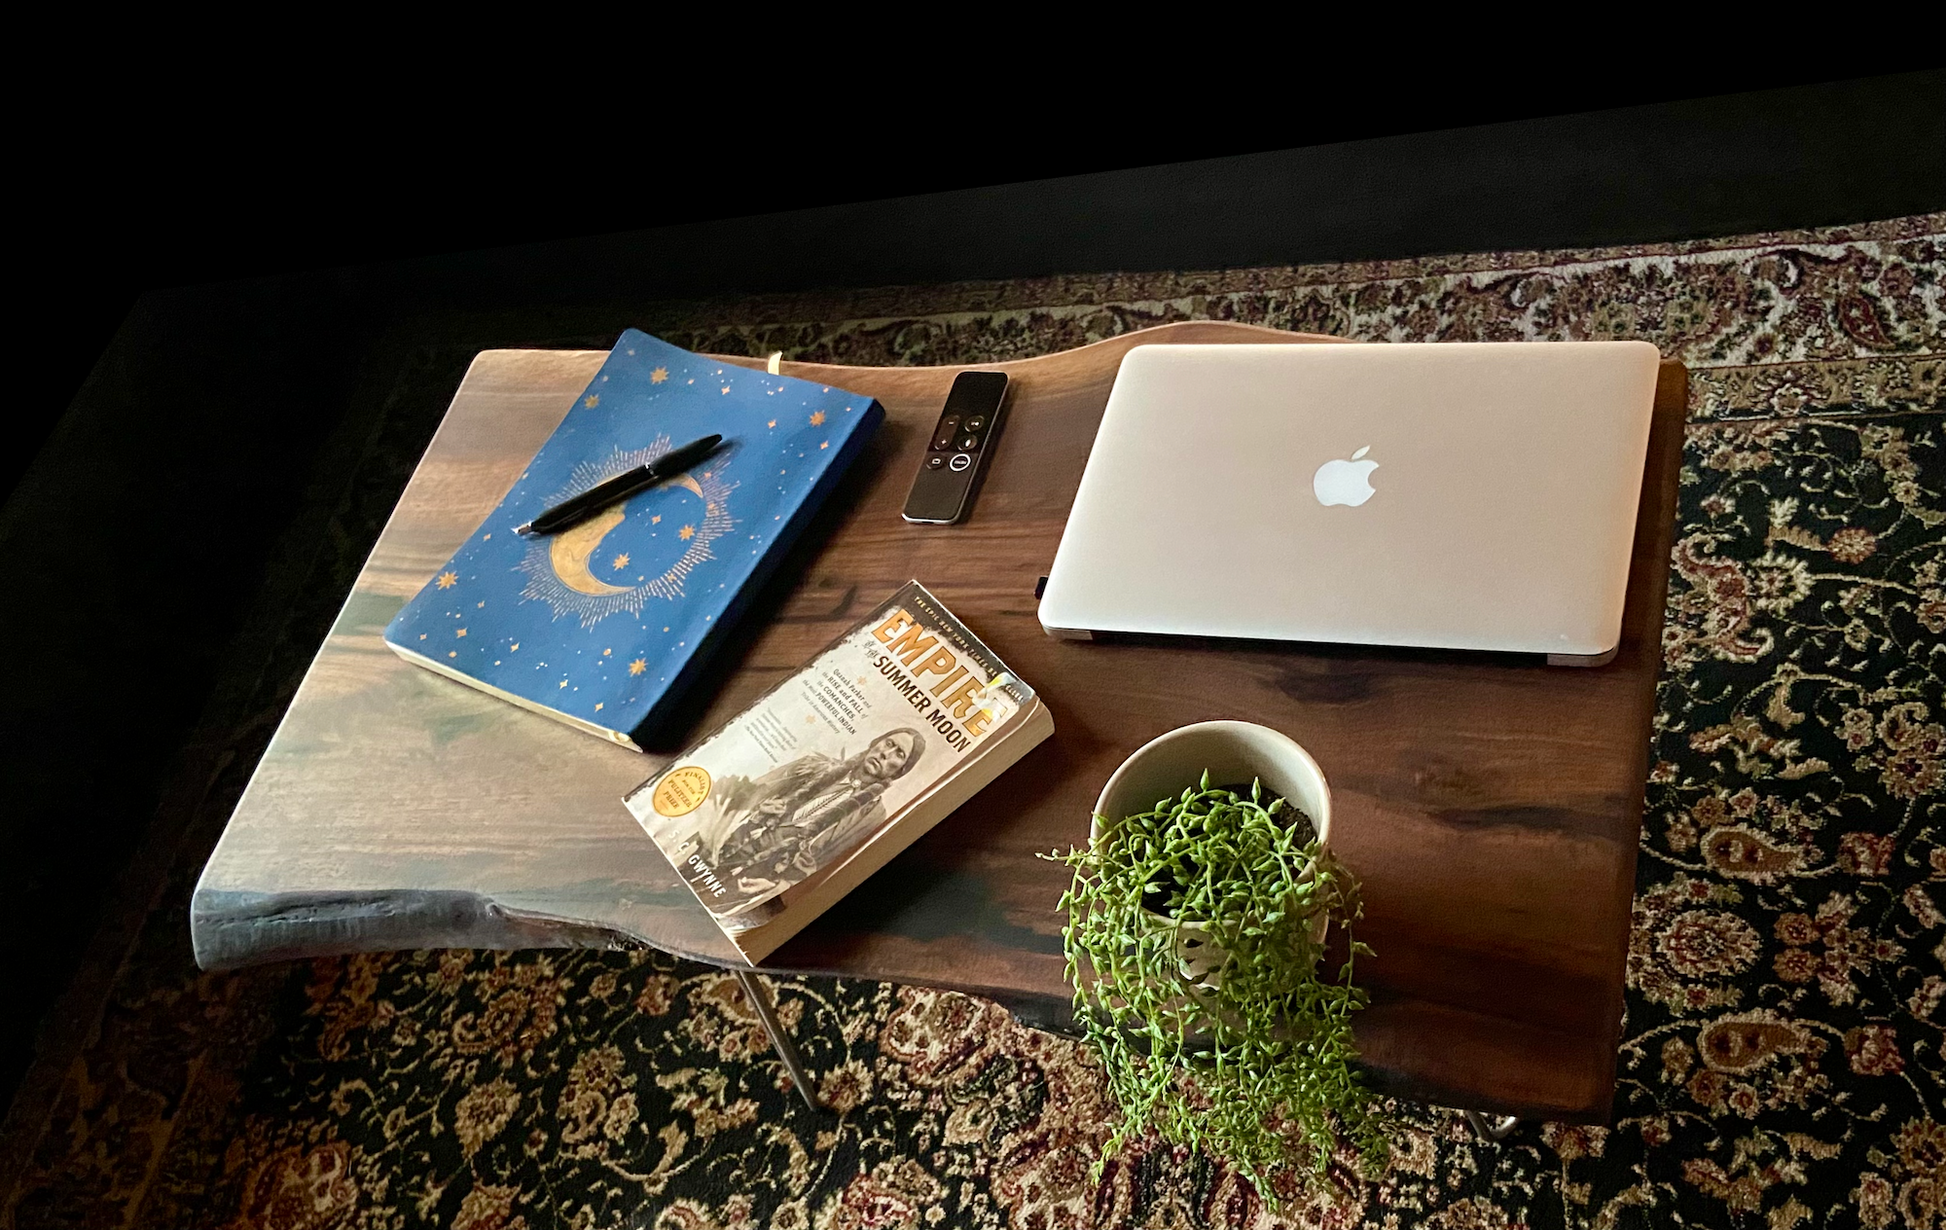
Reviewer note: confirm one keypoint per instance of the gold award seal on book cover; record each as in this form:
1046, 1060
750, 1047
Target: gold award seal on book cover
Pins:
681, 792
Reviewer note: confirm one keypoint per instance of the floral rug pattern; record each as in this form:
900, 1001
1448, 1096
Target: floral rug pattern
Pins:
1781, 1061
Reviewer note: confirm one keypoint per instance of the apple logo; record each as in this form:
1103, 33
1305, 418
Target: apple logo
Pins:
1345, 482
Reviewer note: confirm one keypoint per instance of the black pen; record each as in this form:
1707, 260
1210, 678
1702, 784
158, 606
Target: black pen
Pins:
625, 484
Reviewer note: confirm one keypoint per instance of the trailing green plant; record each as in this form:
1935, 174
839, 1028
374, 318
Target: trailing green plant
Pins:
1252, 1060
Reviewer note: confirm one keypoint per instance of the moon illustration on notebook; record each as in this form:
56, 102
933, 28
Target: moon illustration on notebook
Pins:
569, 551
644, 547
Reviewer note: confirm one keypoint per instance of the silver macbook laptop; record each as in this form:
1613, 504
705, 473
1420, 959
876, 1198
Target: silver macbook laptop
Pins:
1445, 495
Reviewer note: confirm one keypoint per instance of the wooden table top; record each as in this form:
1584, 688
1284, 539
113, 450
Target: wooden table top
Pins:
1490, 804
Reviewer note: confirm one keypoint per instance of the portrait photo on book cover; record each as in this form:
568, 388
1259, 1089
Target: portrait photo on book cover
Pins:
760, 837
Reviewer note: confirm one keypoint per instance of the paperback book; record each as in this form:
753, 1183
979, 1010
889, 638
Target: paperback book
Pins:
795, 801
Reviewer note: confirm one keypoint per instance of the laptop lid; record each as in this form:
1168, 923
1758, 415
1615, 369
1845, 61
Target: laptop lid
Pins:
1439, 495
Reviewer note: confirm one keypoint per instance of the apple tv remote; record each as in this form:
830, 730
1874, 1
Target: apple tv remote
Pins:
956, 455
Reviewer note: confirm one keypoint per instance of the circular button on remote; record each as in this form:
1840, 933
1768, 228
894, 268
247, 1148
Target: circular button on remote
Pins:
970, 443
936, 461
976, 422
962, 461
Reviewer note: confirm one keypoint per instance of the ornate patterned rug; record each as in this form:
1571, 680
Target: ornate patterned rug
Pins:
1781, 1060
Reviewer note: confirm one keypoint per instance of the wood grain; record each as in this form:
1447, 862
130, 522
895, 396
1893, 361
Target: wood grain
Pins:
1490, 803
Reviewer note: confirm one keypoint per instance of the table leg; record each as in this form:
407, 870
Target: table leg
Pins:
779, 1040
1490, 1130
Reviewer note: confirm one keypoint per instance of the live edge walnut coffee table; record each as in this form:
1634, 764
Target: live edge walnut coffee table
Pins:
1489, 803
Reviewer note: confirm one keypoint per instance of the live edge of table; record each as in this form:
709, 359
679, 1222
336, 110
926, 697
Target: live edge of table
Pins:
1490, 804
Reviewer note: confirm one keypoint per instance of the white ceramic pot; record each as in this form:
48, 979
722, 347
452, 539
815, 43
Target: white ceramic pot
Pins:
1232, 752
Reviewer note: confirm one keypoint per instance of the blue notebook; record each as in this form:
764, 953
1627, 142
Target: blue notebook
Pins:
601, 625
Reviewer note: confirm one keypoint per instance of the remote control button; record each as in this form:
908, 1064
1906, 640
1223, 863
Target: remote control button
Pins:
970, 443
962, 462
976, 422
936, 461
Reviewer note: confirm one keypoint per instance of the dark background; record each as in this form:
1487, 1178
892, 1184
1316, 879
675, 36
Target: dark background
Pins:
214, 328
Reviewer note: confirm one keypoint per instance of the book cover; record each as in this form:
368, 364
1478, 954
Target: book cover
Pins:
601, 624
837, 768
